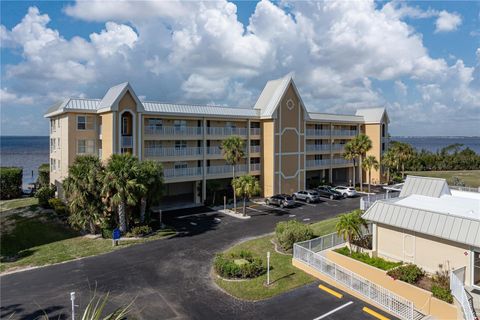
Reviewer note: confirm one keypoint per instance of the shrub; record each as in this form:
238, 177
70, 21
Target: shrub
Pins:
365, 258
409, 273
58, 206
10, 182
227, 266
139, 231
442, 293
44, 194
43, 175
107, 233
289, 232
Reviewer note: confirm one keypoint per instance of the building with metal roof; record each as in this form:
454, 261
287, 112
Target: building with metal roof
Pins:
429, 225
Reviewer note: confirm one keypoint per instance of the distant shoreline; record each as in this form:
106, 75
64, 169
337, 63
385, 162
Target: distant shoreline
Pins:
392, 137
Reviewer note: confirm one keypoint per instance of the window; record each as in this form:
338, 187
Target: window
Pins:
52, 164
383, 129
155, 122
58, 164
255, 125
58, 123
231, 125
180, 124
85, 147
58, 143
180, 165
153, 144
180, 144
52, 125
85, 122
52, 145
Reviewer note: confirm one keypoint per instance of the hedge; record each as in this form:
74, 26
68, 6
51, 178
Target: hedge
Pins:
289, 232
43, 175
226, 265
10, 182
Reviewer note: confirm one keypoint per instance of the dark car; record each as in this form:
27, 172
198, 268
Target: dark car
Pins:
281, 200
328, 192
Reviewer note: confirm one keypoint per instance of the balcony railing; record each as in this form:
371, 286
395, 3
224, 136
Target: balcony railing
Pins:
344, 133
255, 167
226, 169
255, 131
214, 150
127, 142
173, 152
338, 147
318, 163
318, 132
174, 131
318, 147
254, 149
342, 161
226, 131
182, 172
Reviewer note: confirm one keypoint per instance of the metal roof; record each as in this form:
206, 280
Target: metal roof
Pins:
328, 117
112, 95
201, 110
372, 115
442, 225
272, 93
425, 186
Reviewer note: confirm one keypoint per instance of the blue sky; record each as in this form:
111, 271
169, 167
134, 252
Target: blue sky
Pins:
419, 59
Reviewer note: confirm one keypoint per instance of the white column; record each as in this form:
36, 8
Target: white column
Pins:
248, 146
204, 162
140, 138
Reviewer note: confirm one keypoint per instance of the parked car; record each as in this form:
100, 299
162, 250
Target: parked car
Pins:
346, 191
307, 195
281, 200
329, 192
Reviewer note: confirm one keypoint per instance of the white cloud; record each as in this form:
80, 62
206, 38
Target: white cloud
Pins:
199, 52
9, 98
447, 21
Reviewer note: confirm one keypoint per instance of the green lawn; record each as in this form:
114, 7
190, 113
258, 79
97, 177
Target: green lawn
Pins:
42, 240
283, 275
470, 177
17, 203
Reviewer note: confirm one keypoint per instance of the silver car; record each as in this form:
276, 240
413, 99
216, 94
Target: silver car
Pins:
307, 196
346, 191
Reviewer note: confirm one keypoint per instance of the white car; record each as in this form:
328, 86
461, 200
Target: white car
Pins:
346, 191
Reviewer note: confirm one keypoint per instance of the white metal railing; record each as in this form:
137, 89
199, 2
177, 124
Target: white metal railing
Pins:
182, 172
226, 131
255, 167
174, 131
173, 152
255, 131
214, 150
342, 161
458, 291
344, 133
337, 147
318, 132
127, 141
398, 306
254, 149
367, 201
318, 163
468, 189
318, 147
322, 243
226, 169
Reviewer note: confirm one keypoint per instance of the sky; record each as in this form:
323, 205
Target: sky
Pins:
420, 60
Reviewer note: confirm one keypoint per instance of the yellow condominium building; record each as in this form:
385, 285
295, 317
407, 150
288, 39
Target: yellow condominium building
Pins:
287, 147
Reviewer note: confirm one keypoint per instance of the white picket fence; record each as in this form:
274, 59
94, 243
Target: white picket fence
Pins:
458, 291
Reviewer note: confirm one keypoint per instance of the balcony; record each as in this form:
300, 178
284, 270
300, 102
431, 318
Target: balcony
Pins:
255, 131
214, 151
226, 169
174, 131
226, 131
182, 172
318, 147
255, 149
127, 142
173, 152
255, 167
318, 163
318, 132
338, 147
342, 162
344, 133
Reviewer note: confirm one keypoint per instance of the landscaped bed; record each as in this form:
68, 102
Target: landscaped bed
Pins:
365, 258
283, 275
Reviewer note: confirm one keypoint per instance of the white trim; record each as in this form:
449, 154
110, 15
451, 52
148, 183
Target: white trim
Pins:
140, 139
134, 128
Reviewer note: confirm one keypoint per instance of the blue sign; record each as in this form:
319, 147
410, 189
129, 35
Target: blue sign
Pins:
116, 234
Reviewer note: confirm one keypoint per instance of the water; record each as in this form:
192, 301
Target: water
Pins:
26, 152
436, 143
31, 152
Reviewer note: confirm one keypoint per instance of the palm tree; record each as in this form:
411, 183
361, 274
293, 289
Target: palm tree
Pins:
246, 186
121, 187
357, 147
151, 177
83, 193
404, 153
232, 149
389, 162
351, 153
369, 163
350, 226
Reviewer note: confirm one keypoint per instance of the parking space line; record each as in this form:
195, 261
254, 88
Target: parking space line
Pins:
308, 204
374, 314
332, 292
253, 209
334, 310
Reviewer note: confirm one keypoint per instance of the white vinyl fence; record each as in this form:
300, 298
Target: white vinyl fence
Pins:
458, 291
468, 189
309, 252
367, 201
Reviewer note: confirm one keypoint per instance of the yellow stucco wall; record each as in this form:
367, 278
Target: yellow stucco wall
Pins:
107, 135
373, 131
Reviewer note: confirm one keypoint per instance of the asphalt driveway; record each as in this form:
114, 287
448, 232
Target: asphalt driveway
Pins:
171, 278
